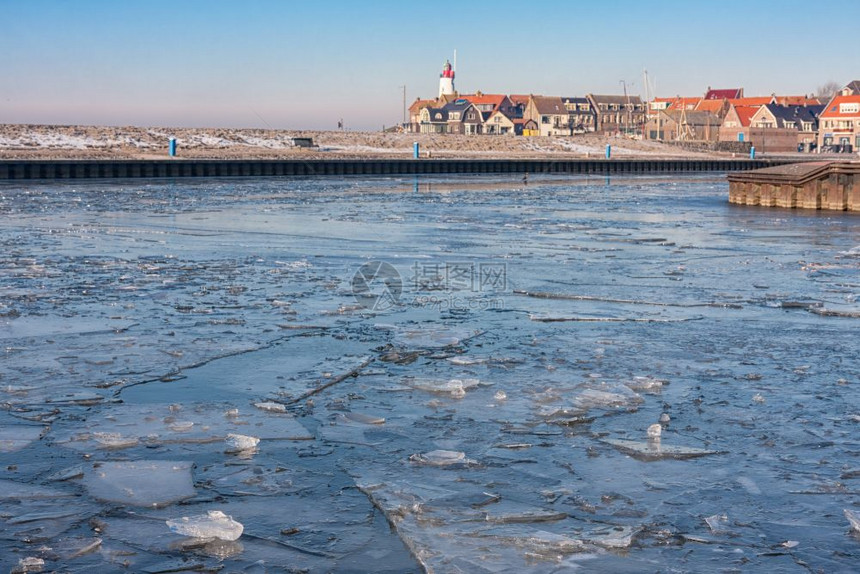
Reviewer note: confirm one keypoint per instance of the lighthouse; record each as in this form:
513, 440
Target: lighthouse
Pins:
446, 80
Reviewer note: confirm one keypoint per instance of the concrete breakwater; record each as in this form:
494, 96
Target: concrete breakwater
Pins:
178, 168
813, 185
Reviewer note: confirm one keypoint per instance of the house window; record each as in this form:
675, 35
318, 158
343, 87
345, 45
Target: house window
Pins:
544, 119
849, 108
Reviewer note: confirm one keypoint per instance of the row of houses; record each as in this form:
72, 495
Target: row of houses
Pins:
771, 123
529, 115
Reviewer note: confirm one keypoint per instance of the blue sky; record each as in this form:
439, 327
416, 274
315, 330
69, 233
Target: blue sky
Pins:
305, 64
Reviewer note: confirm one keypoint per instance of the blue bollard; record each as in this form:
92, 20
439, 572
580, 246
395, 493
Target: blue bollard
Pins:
172, 147
752, 152
608, 151
415, 150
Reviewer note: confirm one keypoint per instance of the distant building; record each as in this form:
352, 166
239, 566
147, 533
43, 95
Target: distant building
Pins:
839, 124
618, 114
433, 121
415, 113
683, 125
736, 123
726, 94
549, 114
852, 89
776, 128
582, 118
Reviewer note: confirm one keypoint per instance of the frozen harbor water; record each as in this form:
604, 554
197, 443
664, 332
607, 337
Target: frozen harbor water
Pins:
450, 375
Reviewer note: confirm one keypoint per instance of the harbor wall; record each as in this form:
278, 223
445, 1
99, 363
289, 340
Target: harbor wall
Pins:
831, 186
101, 169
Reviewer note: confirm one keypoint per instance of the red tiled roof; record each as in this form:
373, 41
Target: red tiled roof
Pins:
418, 104
757, 101
745, 114
730, 94
519, 98
833, 107
710, 106
494, 99
683, 103
797, 101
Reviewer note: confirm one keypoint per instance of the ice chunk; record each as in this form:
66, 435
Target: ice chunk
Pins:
241, 443
853, 518
500, 395
213, 524
604, 396
441, 458
140, 483
29, 564
717, 522
16, 437
654, 450
271, 406
613, 537
11, 490
114, 440
454, 387
646, 384
364, 419
655, 430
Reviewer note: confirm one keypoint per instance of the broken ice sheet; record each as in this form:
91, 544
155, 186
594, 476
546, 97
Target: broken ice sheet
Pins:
606, 396
15, 437
11, 490
151, 483
442, 458
646, 384
128, 425
431, 337
454, 387
657, 450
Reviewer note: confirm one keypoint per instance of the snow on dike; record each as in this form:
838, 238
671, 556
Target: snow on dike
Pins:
20, 141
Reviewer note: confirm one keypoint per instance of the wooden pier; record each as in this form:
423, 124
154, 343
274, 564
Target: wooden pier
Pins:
188, 168
812, 185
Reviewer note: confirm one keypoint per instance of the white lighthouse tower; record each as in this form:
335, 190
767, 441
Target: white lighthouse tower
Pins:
446, 80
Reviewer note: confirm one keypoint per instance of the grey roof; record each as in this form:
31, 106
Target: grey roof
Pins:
434, 111
795, 113
854, 87
621, 100
459, 105
548, 105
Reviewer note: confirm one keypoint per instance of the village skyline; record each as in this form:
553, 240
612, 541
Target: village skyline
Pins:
307, 66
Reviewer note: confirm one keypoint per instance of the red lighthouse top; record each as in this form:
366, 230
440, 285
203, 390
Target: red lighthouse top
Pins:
447, 71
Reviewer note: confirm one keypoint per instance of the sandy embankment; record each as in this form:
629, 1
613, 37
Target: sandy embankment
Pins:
19, 141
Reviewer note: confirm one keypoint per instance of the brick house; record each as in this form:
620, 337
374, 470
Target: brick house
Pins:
681, 125
617, 114
415, 113
736, 124
463, 117
433, 121
839, 124
581, 116
549, 114
777, 128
